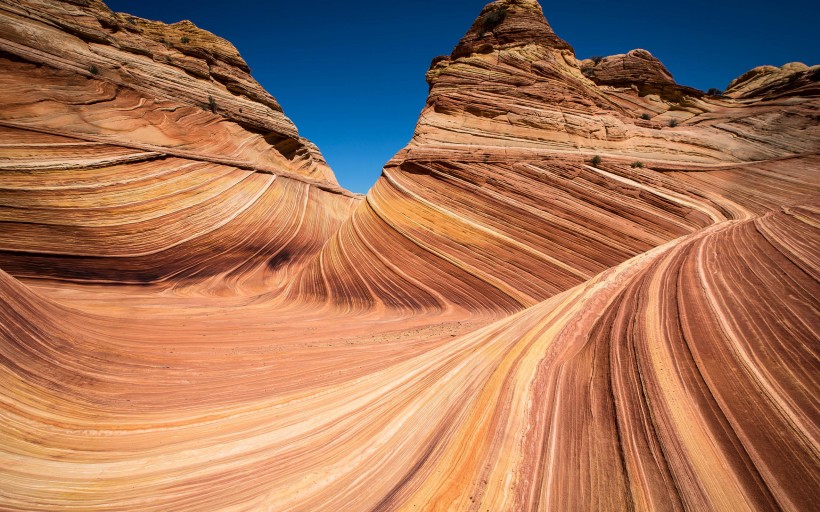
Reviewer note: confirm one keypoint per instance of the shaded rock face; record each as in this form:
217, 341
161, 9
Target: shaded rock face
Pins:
581, 286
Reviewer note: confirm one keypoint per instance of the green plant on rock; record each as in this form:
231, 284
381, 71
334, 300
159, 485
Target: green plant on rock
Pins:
184, 40
714, 91
494, 19
595, 160
93, 70
673, 123
596, 59
646, 117
211, 104
636, 165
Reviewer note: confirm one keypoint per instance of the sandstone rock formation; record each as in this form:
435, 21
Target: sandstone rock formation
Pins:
581, 286
499, 164
791, 78
636, 67
114, 127
174, 87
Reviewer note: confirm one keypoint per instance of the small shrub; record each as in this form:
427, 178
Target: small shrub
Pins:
595, 160
646, 117
714, 91
597, 59
184, 40
673, 123
93, 70
636, 165
211, 104
495, 18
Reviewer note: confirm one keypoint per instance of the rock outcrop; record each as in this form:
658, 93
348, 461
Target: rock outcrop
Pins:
637, 67
638, 70
790, 79
581, 286
147, 72
510, 24
134, 151
501, 163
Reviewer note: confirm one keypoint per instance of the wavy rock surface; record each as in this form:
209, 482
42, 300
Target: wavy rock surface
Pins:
173, 87
194, 316
771, 80
114, 127
636, 67
667, 382
500, 165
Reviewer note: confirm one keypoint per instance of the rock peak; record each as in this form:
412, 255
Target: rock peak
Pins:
637, 66
509, 23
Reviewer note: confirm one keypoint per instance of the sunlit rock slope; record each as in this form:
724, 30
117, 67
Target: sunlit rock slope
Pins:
581, 286
498, 191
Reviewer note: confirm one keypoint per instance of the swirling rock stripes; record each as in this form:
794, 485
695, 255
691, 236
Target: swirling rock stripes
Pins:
175, 86
589, 386
134, 152
629, 412
194, 316
65, 217
558, 222
531, 177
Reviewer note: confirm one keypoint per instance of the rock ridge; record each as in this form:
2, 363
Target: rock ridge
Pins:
179, 64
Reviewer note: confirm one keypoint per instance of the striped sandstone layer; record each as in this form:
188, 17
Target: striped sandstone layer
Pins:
194, 316
682, 379
133, 151
497, 191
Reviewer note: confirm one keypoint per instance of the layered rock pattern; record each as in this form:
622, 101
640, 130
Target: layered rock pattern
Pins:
791, 78
500, 163
87, 63
194, 316
97, 212
664, 383
134, 151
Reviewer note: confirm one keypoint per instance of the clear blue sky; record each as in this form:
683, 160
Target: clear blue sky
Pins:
351, 74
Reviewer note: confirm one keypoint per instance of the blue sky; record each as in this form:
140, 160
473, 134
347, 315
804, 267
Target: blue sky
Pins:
351, 74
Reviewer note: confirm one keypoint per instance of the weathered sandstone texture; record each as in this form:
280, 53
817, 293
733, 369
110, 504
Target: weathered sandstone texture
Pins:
76, 68
133, 151
581, 286
500, 165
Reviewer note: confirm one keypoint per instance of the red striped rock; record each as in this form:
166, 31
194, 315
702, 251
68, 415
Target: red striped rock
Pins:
194, 316
500, 165
175, 87
636, 67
